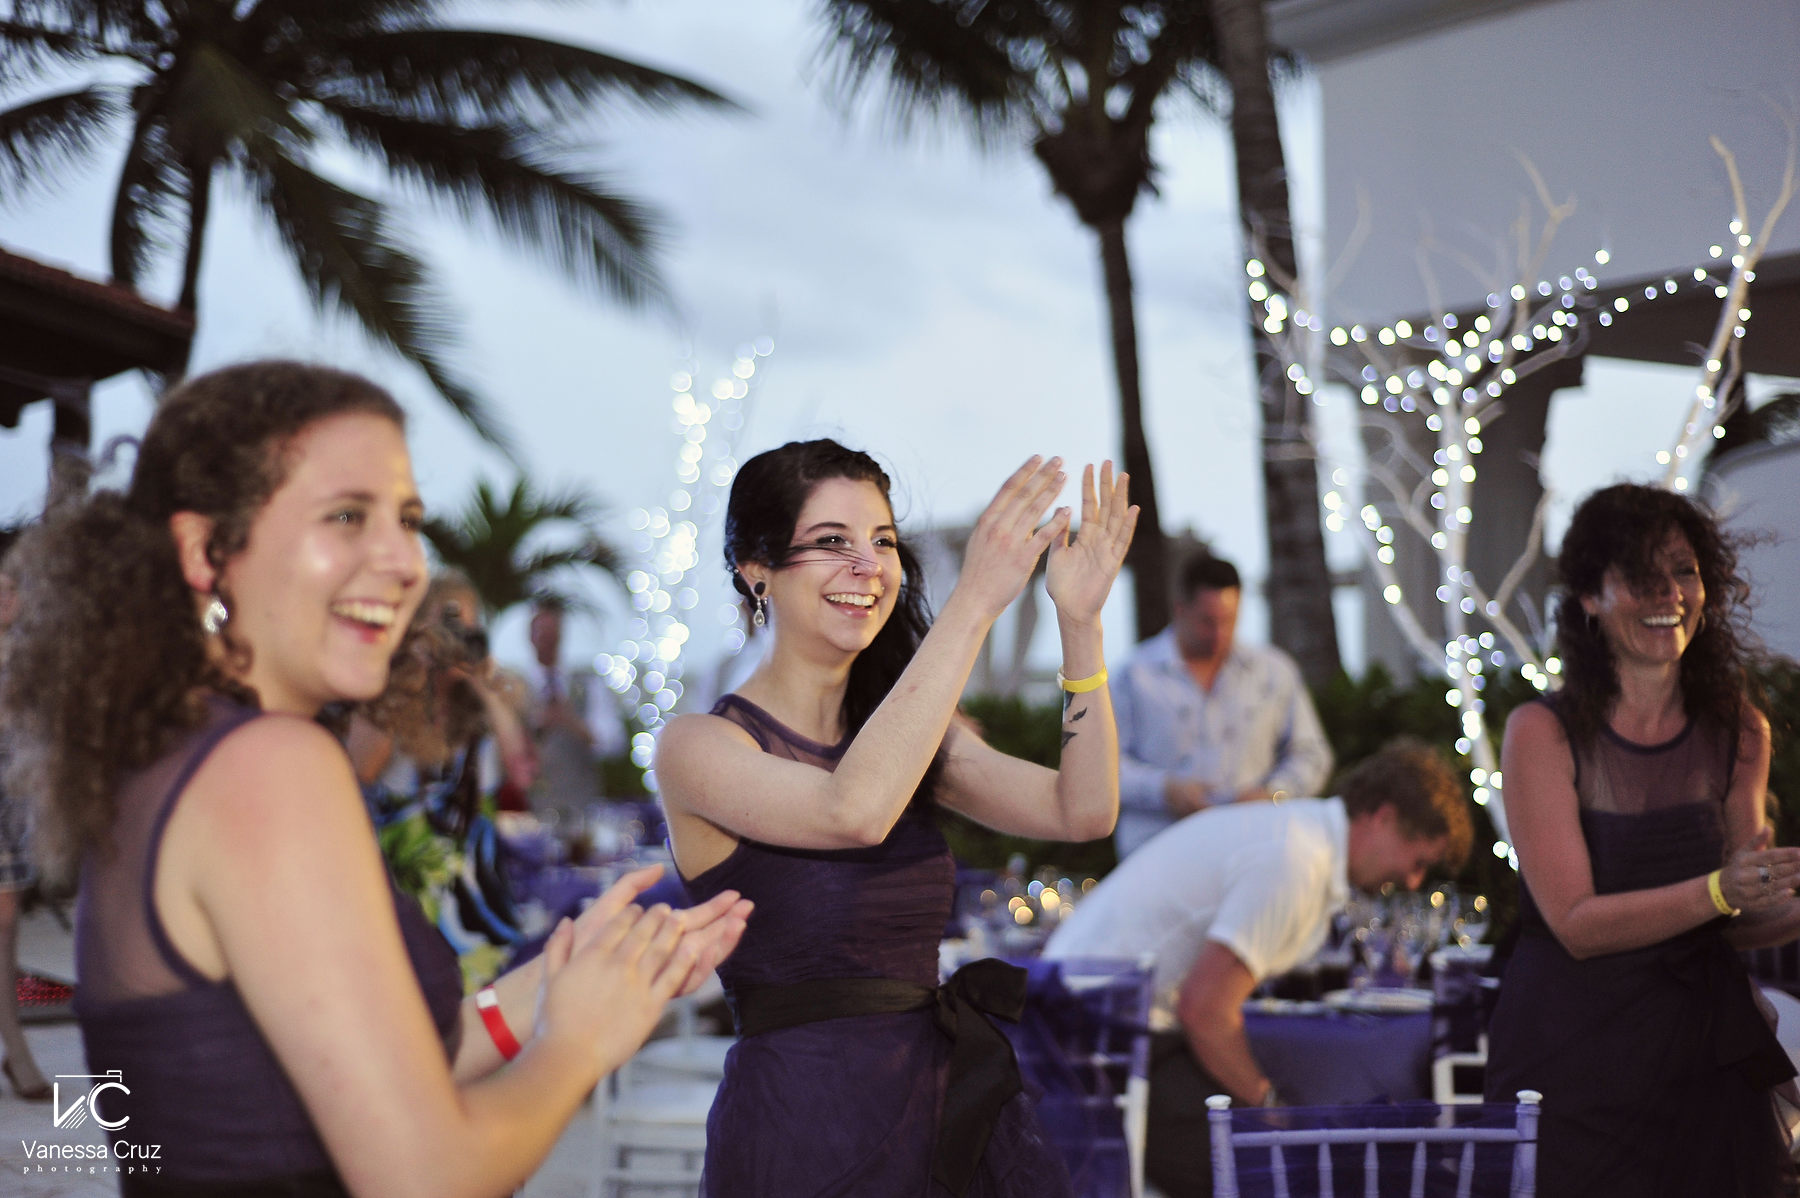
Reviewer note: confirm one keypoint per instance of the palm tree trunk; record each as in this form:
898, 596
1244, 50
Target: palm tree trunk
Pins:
1148, 556
1299, 584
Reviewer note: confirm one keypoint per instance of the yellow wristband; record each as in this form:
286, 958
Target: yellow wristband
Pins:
1080, 686
1718, 895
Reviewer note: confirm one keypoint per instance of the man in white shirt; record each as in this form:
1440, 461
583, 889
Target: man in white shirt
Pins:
572, 719
1205, 719
1232, 895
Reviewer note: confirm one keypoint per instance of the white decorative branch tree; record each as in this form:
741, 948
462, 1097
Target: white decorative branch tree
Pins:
647, 669
1432, 390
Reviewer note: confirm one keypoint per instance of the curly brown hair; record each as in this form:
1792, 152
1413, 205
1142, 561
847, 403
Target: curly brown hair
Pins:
1417, 782
107, 664
1624, 526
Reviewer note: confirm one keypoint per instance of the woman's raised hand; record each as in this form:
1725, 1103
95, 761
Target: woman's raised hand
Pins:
1082, 568
1007, 541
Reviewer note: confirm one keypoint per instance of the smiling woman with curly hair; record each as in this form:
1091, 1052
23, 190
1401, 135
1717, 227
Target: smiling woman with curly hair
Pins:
236, 935
1636, 798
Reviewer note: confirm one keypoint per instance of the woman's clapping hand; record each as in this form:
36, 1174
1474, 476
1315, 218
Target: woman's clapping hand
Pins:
1082, 567
608, 974
1759, 878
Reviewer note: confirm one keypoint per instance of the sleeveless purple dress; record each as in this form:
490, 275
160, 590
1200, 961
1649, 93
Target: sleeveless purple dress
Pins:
204, 1083
1655, 1064
846, 1106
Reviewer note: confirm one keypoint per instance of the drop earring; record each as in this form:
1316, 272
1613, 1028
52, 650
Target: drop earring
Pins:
760, 617
215, 617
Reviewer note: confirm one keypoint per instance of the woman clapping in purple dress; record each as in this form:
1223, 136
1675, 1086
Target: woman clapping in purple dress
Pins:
279, 1019
810, 791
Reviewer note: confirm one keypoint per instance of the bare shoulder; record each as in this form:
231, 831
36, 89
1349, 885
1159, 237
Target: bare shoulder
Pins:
691, 746
275, 777
1753, 730
1534, 725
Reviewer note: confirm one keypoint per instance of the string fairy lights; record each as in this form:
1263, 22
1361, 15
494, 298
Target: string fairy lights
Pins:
1450, 376
646, 670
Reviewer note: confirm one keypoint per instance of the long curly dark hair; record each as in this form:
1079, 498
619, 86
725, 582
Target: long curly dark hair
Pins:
766, 498
1625, 526
107, 663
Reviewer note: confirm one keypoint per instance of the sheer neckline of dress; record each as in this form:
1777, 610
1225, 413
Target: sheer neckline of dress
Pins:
1634, 746
805, 742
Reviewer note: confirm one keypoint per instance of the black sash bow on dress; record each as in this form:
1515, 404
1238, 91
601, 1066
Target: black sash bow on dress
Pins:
983, 1073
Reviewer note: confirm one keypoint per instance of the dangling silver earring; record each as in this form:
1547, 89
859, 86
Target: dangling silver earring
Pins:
760, 617
215, 617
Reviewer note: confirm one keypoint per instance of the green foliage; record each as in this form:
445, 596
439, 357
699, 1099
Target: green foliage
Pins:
487, 541
421, 861
1780, 681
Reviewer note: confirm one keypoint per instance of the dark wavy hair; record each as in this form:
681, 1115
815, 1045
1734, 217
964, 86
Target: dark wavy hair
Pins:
107, 663
766, 498
1625, 526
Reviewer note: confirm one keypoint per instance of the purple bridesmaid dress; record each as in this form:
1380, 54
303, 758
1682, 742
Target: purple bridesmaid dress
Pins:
846, 1106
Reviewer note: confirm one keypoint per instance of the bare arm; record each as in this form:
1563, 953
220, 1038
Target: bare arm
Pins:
270, 877
713, 774
1211, 1010
1543, 809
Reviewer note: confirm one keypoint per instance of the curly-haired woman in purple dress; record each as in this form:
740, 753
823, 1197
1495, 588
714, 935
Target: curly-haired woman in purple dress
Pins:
1636, 799
809, 790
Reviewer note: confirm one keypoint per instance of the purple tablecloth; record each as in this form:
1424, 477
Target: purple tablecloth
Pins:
1343, 1057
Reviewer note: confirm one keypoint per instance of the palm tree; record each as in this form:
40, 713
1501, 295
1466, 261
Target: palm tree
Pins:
264, 90
1299, 583
1080, 83
487, 540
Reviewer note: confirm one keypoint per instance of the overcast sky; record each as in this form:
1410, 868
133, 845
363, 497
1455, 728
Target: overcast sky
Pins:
940, 309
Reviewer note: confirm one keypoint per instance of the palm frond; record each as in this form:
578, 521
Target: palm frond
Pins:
42, 139
960, 59
29, 46
150, 199
486, 540
476, 75
350, 263
574, 222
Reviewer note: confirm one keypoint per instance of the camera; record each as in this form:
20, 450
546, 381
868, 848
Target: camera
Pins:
474, 640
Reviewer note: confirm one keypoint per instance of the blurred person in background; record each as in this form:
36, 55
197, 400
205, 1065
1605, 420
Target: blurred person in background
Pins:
1235, 894
1206, 719
450, 729
573, 718
16, 877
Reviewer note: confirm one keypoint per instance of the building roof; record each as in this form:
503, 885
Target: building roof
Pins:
1322, 30
55, 325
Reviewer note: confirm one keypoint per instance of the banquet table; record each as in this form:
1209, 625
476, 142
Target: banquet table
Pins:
1318, 1056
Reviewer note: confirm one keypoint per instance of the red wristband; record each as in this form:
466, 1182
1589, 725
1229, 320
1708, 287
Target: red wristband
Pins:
488, 1003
